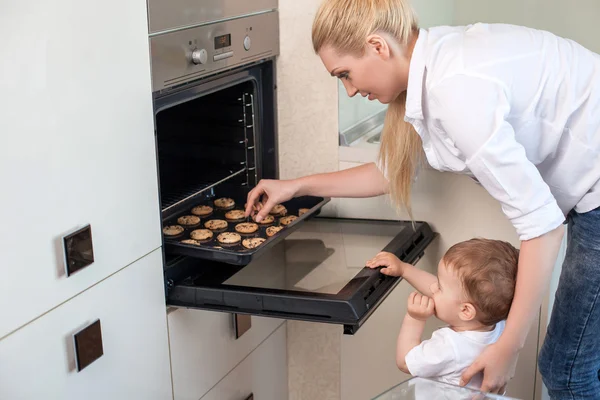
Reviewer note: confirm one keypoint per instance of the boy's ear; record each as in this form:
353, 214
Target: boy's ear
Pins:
467, 312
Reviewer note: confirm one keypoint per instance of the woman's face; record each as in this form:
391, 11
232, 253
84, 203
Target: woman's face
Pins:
381, 73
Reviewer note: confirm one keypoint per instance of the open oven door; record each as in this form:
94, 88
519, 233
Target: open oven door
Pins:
315, 274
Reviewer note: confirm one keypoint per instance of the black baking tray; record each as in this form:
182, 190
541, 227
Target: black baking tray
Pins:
238, 255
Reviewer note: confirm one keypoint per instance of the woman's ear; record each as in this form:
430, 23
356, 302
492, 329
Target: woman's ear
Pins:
378, 46
467, 312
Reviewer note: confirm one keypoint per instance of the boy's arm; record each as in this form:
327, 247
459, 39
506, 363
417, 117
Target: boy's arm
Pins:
417, 278
409, 338
419, 309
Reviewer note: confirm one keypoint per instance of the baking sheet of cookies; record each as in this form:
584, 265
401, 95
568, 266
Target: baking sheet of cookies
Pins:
235, 253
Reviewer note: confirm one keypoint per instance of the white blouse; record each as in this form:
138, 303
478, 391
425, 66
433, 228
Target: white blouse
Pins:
517, 108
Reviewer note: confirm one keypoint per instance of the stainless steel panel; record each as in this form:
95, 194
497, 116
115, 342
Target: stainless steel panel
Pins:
172, 61
165, 15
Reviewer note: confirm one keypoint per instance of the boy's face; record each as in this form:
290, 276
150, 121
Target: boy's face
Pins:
448, 295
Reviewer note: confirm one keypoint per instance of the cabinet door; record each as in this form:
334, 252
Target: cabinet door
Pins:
261, 376
77, 147
39, 360
204, 348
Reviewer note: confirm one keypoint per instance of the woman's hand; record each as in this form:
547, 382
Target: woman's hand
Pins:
393, 265
267, 194
497, 362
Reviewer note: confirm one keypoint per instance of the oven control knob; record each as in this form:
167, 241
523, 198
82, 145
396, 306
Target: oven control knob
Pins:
247, 43
199, 56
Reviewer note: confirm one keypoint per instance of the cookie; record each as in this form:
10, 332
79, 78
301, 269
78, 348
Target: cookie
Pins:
246, 228
173, 230
235, 215
285, 221
278, 210
188, 220
269, 219
216, 224
202, 211
224, 203
272, 230
191, 241
303, 211
229, 238
201, 235
252, 243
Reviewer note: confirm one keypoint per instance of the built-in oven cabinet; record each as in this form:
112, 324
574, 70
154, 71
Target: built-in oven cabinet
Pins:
260, 376
206, 345
109, 342
78, 151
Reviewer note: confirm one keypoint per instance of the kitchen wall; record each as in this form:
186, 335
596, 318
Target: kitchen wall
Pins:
307, 97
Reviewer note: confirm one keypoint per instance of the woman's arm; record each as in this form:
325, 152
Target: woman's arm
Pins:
536, 262
362, 181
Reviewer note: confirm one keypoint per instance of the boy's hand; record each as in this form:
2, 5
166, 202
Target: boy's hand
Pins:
393, 265
420, 307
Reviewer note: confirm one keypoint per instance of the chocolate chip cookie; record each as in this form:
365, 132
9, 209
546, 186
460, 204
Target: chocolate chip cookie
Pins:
191, 241
173, 230
235, 215
224, 203
285, 221
269, 219
229, 238
202, 235
272, 230
252, 243
246, 228
216, 225
188, 220
202, 211
278, 211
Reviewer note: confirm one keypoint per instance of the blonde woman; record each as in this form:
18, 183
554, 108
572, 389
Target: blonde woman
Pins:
517, 108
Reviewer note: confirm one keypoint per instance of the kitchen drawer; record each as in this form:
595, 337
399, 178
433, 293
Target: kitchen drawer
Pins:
261, 376
39, 360
204, 348
78, 147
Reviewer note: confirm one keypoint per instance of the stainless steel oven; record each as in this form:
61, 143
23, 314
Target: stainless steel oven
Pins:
215, 99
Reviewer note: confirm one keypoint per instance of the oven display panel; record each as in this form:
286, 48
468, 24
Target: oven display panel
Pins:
222, 41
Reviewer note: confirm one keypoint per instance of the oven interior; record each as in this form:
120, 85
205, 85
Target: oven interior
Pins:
206, 141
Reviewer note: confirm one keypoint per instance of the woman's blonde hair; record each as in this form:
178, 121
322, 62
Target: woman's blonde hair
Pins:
345, 25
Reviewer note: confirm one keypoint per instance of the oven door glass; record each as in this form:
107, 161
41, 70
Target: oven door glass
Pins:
316, 274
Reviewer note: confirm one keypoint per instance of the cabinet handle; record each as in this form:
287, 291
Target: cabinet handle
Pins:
241, 324
251, 397
88, 345
78, 250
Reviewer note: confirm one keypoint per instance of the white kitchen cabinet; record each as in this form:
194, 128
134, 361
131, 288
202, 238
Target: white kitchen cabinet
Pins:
204, 348
77, 147
262, 375
38, 361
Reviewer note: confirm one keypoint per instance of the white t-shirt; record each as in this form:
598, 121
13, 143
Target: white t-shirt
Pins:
448, 353
517, 108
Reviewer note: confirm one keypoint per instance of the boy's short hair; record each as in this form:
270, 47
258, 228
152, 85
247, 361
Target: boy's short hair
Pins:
488, 272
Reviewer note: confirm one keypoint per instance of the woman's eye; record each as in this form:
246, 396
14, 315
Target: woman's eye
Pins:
343, 75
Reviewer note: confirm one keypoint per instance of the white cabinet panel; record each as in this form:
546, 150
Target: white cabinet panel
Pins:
38, 361
77, 146
263, 373
204, 348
